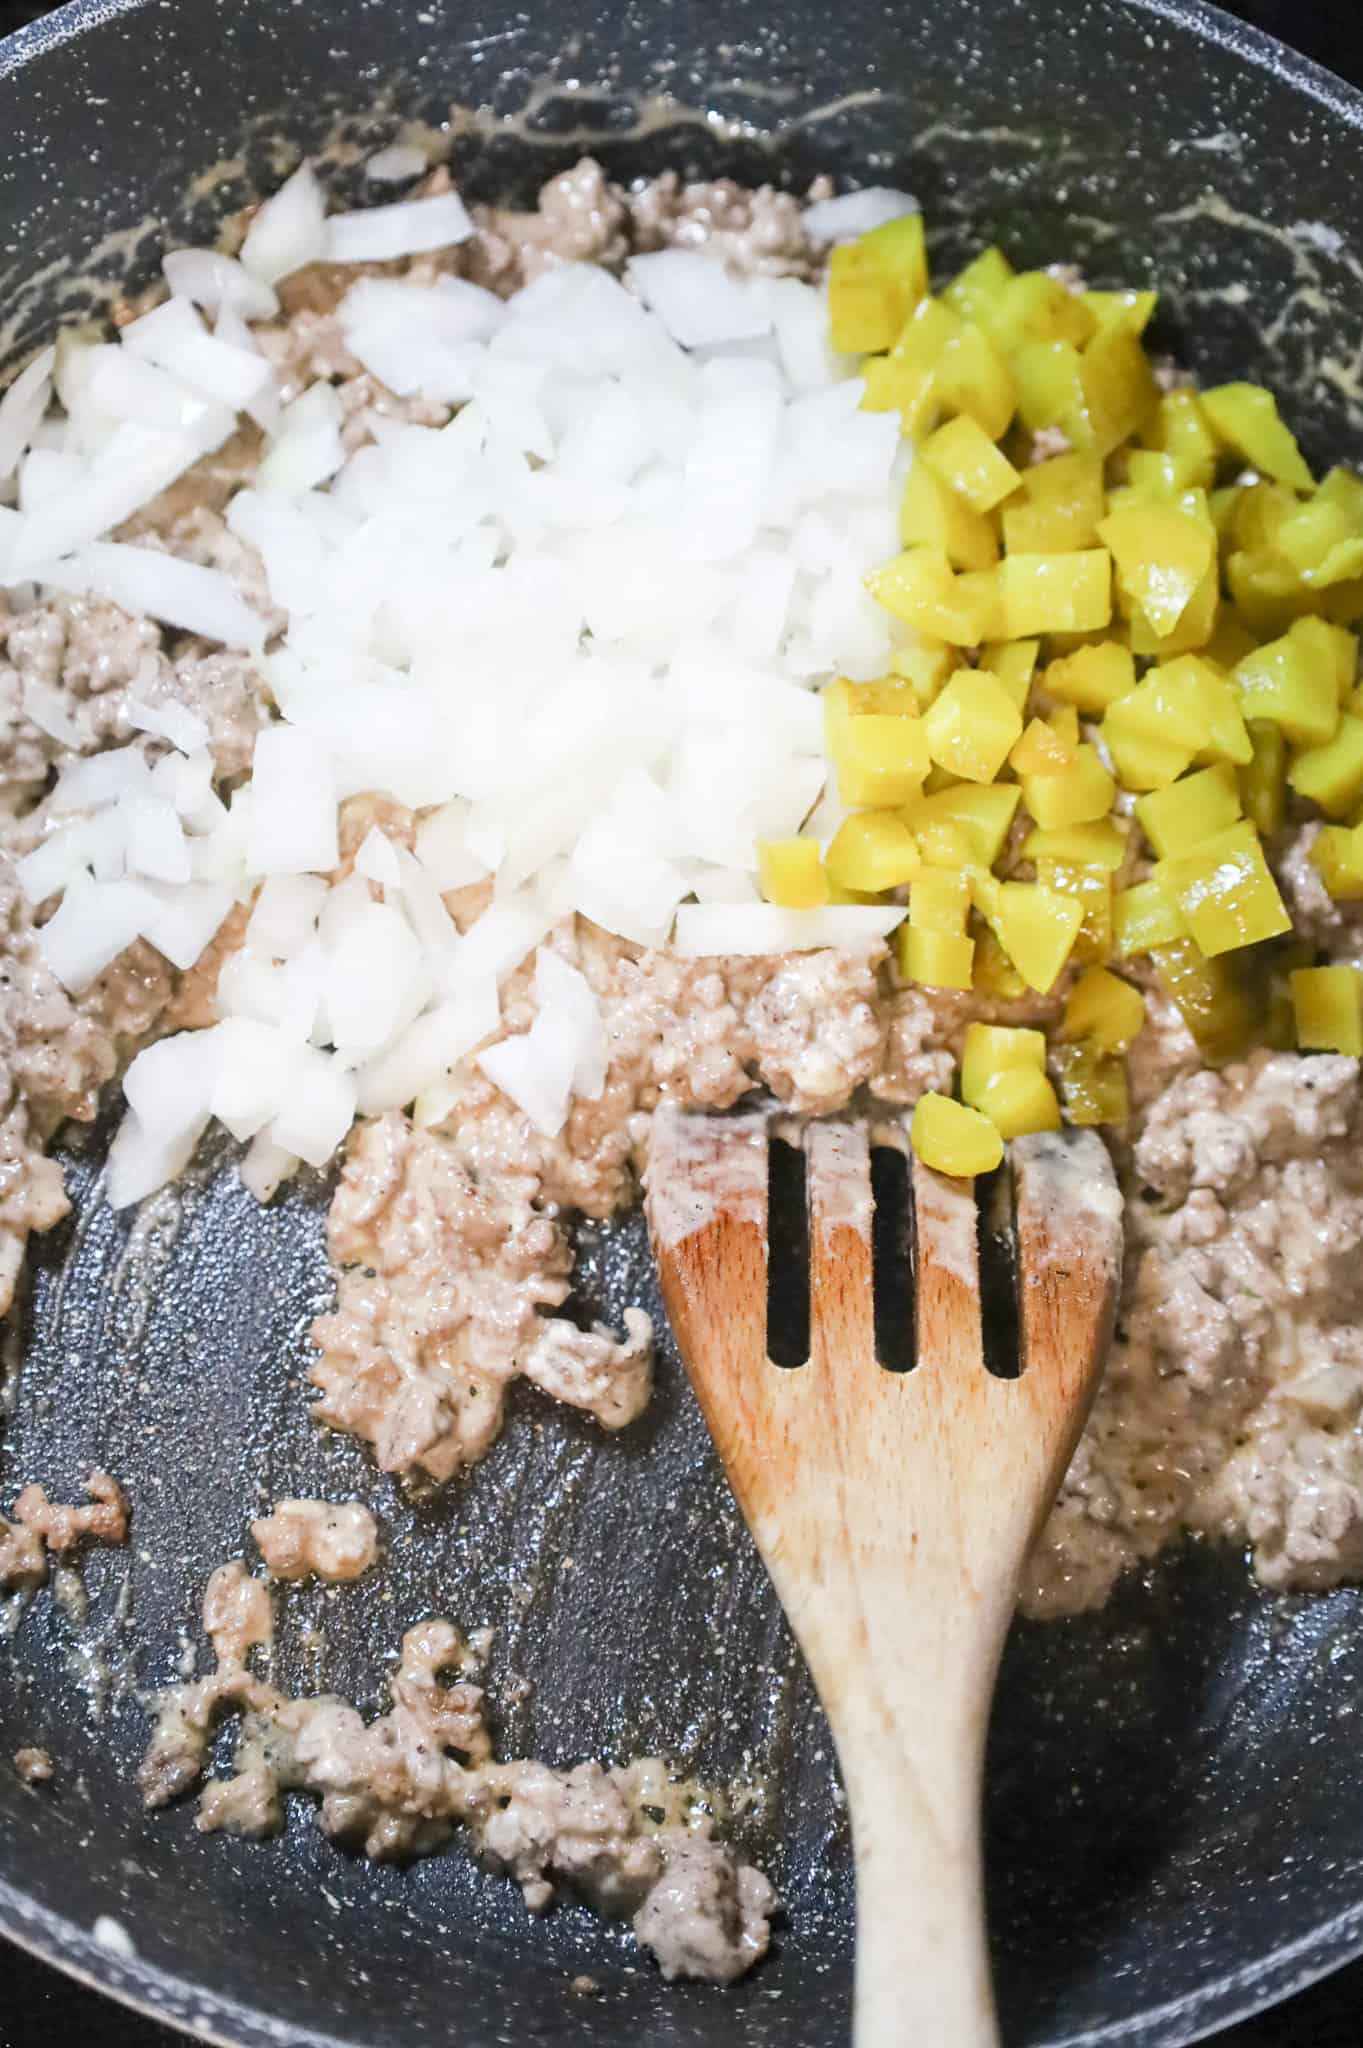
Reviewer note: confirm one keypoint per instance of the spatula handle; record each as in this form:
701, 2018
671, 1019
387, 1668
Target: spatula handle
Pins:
922, 1969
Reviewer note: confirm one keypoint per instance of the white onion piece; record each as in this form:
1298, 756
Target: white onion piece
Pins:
377, 859
161, 586
697, 299
155, 846
215, 281
711, 930
93, 924
266, 1167
401, 160
255, 1071
856, 213
101, 779
429, 1048
171, 721
137, 464
498, 941
443, 850
22, 407
284, 918
319, 1112
380, 234
47, 709
289, 230
184, 919
293, 811
174, 338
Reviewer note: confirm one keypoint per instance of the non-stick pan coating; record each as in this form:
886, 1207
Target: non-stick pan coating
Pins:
1175, 1809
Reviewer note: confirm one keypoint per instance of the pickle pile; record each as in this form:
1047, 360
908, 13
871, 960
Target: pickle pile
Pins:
1117, 667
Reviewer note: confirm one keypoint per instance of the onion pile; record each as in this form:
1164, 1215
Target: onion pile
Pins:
579, 630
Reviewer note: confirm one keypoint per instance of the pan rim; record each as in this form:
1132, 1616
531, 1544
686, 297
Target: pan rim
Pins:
167, 1999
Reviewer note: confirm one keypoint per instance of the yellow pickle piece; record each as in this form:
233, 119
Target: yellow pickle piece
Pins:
974, 380
872, 851
1019, 1102
1181, 816
1161, 554
1211, 998
1014, 663
1293, 684
973, 725
874, 284
1332, 775
1263, 779
954, 1139
1104, 1009
939, 901
932, 515
1145, 916
1078, 794
1058, 506
1226, 892
1037, 928
935, 959
992, 1049
978, 286
968, 462
1093, 1084
1245, 419
1067, 593
920, 588
1337, 855
1101, 844
1092, 677
978, 814
1091, 888
1327, 1005
791, 873
880, 759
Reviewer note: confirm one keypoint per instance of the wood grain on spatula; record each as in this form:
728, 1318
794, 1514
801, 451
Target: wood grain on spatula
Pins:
894, 1510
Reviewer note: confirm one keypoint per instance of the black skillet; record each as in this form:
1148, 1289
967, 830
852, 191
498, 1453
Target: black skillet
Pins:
1175, 1809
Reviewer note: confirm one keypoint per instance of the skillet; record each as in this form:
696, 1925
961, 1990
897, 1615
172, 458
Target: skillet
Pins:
1175, 1818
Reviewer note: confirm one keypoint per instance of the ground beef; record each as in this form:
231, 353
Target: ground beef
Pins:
405, 1783
42, 1529
1232, 1399
299, 1539
34, 1766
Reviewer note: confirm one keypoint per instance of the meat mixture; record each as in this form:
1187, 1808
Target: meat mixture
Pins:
1232, 1404
402, 1785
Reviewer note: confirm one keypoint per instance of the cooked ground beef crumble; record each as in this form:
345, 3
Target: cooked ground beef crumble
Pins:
1231, 1404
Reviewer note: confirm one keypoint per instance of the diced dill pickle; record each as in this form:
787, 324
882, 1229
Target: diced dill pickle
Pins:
1018, 1102
924, 665
939, 901
974, 380
1093, 1084
1322, 541
910, 389
872, 850
1036, 306
874, 284
1070, 593
968, 461
952, 1139
935, 959
1058, 507
1328, 1006
1181, 816
932, 515
1152, 735
1037, 928
1079, 794
1041, 750
1332, 775
791, 873
1048, 380
1160, 553
1091, 889
1293, 684
1181, 430
1245, 419
992, 1049
1335, 646
1193, 631
1063, 719
1130, 309
973, 725
1101, 844
880, 759
919, 588
1225, 890
1231, 641
1092, 677
979, 284
1118, 391
995, 975
1014, 663
1104, 1009
1337, 855
1145, 916
980, 813
1263, 779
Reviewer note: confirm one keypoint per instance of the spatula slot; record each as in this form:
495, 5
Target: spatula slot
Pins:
892, 1277
787, 1254
996, 1239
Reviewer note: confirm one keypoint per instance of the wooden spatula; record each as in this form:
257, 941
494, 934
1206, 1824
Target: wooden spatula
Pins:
894, 1509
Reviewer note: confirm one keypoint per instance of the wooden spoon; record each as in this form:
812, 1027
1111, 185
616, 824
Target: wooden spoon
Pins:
894, 1510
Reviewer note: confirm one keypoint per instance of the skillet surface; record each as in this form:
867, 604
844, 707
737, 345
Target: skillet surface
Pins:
1175, 1820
